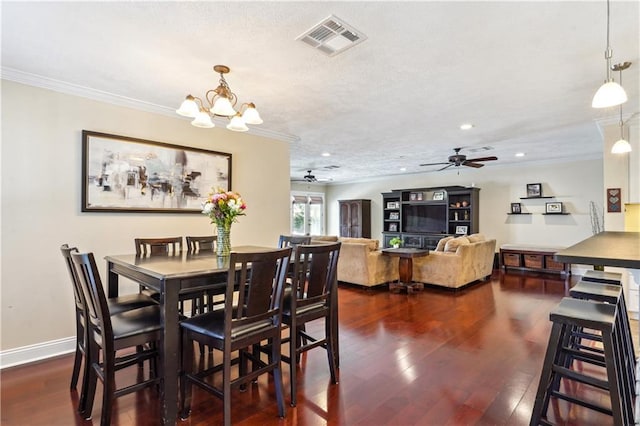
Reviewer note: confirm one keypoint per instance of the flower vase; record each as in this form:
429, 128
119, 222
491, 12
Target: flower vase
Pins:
223, 247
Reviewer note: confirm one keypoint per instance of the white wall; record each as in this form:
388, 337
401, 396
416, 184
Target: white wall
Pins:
574, 184
41, 184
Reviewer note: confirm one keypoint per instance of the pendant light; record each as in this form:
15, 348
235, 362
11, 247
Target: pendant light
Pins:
610, 93
622, 146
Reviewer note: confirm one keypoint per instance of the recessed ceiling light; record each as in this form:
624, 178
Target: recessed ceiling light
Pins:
520, 154
466, 126
326, 154
403, 169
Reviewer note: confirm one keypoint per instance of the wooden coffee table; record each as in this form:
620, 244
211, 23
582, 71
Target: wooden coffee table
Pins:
405, 267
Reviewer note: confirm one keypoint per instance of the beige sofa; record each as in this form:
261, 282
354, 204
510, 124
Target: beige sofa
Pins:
361, 262
456, 261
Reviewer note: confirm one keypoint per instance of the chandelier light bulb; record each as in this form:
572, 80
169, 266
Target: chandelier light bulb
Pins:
237, 124
203, 119
189, 107
608, 95
251, 115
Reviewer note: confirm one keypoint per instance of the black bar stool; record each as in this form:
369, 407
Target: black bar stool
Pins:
602, 277
566, 317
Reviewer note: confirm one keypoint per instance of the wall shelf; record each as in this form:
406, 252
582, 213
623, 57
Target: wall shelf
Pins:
536, 198
518, 214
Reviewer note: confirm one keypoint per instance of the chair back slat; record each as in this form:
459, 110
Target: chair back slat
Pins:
293, 240
200, 244
77, 290
154, 246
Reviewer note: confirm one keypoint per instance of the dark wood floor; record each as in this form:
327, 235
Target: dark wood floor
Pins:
437, 357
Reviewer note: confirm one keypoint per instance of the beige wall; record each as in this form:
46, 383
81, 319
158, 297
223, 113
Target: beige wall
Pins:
41, 184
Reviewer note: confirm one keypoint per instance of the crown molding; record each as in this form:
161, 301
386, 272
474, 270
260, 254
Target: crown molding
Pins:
35, 80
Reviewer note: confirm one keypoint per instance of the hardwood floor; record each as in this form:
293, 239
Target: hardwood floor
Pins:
471, 357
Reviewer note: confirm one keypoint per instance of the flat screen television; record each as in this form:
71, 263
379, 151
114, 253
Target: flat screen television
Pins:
425, 218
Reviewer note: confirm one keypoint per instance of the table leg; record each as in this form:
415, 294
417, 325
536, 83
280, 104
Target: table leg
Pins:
112, 281
170, 351
405, 266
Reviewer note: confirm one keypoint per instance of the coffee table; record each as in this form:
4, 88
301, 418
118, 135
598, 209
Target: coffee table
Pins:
405, 268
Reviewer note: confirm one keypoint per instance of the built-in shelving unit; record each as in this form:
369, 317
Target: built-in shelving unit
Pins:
422, 216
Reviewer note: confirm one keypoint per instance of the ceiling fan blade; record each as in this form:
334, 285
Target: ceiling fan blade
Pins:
432, 164
483, 159
474, 165
445, 167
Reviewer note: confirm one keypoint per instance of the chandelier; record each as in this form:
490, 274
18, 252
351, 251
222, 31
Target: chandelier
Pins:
610, 93
220, 102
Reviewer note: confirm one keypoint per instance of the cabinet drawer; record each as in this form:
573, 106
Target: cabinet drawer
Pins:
533, 260
511, 259
552, 264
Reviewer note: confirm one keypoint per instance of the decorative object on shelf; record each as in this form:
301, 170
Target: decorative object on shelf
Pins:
393, 205
393, 227
553, 208
461, 230
223, 208
455, 216
221, 102
614, 197
534, 190
438, 195
516, 208
395, 242
610, 93
415, 196
621, 146
125, 175
465, 203
466, 215
597, 218
394, 216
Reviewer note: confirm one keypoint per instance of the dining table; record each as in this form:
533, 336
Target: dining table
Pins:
167, 275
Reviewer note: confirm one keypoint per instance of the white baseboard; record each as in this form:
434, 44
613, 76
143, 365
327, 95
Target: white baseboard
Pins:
37, 352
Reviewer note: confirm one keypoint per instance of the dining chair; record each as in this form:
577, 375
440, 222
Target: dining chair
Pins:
115, 305
259, 280
293, 240
201, 244
107, 334
314, 281
152, 246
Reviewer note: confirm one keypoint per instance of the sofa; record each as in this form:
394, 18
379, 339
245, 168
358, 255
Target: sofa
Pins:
361, 262
456, 261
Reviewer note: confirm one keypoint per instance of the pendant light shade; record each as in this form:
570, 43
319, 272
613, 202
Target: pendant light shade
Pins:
621, 147
203, 119
237, 124
251, 115
223, 107
189, 107
608, 95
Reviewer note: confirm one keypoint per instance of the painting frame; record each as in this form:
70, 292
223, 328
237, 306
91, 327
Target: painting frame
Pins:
516, 208
438, 196
534, 190
122, 174
462, 230
554, 207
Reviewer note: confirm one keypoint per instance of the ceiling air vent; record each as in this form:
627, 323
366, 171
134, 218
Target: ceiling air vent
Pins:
480, 149
332, 36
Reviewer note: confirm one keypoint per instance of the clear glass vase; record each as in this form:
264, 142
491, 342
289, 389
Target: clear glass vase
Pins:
223, 247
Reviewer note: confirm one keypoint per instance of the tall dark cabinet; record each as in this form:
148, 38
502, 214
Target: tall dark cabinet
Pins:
355, 218
420, 217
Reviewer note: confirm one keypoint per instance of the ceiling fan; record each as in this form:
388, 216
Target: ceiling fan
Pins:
458, 160
309, 178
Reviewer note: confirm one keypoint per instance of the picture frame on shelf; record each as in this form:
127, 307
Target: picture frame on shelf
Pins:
393, 204
516, 208
393, 227
534, 190
394, 216
553, 208
462, 230
438, 195
130, 175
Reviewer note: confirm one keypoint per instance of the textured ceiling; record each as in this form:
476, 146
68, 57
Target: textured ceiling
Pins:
523, 73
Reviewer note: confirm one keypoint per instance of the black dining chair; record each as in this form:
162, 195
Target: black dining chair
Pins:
314, 281
107, 334
201, 244
293, 240
259, 280
153, 246
115, 305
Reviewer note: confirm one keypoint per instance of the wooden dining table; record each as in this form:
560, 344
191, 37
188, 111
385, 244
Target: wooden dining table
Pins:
168, 274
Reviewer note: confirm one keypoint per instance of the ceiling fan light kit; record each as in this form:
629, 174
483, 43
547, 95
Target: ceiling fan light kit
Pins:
458, 160
610, 93
220, 102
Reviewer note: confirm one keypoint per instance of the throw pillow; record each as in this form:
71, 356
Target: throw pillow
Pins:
442, 242
476, 238
453, 244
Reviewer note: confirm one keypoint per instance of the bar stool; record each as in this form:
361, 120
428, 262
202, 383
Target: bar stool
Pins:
602, 317
602, 277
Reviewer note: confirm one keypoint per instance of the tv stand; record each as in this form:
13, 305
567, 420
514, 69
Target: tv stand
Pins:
422, 216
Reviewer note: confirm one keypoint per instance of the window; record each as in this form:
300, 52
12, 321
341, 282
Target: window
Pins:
307, 213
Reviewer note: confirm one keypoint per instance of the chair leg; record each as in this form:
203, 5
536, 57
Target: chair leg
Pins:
242, 368
89, 382
293, 359
226, 385
541, 401
77, 360
109, 388
277, 376
187, 368
330, 349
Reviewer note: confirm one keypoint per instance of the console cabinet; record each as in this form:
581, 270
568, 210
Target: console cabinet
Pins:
355, 218
422, 216
531, 258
